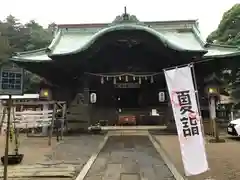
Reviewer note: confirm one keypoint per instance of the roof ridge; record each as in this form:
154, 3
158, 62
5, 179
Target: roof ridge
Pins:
54, 42
108, 23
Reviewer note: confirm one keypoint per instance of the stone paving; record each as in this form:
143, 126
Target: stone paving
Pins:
129, 158
73, 152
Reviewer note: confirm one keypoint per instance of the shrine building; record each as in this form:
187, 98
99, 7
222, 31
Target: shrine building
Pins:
108, 70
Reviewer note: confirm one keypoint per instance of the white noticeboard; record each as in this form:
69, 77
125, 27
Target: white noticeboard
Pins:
11, 80
186, 115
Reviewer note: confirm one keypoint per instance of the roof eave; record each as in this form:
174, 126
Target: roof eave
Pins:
19, 60
234, 54
208, 45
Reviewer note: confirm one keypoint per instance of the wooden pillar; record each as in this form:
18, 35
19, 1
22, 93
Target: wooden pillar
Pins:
86, 94
45, 128
52, 124
64, 107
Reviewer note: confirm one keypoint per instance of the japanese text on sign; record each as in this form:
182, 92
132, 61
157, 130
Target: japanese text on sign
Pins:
189, 121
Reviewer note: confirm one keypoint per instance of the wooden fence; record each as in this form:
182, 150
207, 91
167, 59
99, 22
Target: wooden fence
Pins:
29, 119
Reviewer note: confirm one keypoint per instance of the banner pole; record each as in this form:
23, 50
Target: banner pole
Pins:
197, 97
9, 105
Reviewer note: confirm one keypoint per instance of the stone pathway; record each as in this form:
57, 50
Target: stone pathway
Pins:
129, 158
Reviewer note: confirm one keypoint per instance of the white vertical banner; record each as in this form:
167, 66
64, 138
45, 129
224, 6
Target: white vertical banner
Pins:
186, 114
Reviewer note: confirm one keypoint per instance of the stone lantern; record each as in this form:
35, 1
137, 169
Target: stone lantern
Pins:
212, 88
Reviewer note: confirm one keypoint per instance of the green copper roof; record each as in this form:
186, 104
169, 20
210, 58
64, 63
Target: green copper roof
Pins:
177, 35
74, 42
218, 51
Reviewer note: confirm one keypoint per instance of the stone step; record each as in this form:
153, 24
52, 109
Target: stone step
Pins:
127, 132
39, 171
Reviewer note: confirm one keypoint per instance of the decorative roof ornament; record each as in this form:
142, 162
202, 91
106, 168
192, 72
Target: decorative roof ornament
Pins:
126, 18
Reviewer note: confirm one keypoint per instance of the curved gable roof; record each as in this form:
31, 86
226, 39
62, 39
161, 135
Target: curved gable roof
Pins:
72, 42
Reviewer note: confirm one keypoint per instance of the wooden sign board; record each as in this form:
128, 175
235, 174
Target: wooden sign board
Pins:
127, 85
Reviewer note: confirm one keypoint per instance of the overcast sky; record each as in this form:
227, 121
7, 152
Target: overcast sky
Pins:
208, 12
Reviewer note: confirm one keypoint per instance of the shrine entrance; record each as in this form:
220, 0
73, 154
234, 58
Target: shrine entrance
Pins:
128, 97
125, 70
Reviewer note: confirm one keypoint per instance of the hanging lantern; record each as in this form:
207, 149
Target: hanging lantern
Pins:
146, 78
114, 80
102, 80
107, 78
120, 78
93, 97
134, 78
126, 78
45, 94
152, 81
140, 80
161, 96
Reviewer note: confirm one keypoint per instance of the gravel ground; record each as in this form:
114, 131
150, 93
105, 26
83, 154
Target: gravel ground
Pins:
223, 158
33, 148
129, 158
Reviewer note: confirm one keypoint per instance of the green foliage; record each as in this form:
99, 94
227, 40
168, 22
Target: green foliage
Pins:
228, 31
18, 37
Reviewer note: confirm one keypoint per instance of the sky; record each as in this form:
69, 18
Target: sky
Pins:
208, 12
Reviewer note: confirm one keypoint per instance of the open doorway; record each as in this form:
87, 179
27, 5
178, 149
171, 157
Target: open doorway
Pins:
127, 98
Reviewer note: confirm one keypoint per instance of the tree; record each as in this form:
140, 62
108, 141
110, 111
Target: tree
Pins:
18, 37
228, 31
5, 49
39, 37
